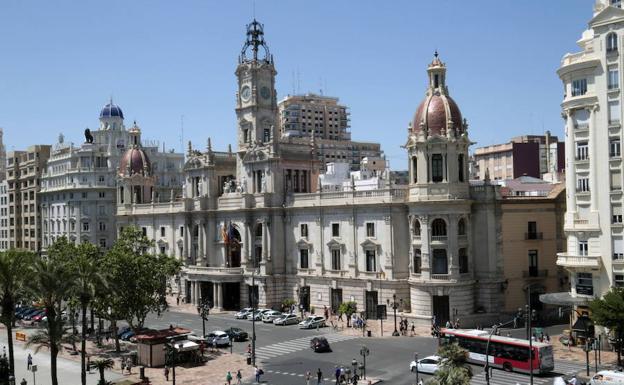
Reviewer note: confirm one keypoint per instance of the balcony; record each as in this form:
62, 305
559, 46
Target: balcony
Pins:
533, 236
223, 271
438, 238
441, 277
534, 273
573, 260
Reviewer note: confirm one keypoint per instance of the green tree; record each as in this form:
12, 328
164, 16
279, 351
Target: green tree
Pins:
348, 308
608, 311
14, 274
52, 282
454, 368
101, 365
140, 278
89, 281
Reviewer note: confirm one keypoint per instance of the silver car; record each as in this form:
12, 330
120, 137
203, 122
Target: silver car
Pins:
257, 315
271, 315
312, 322
287, 319
243, 313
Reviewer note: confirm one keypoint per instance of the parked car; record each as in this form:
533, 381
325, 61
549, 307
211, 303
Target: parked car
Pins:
312, 322
320, 345
428, 364
19, 312
243, 313
218, 338
236, 334
40, 316
28, 313
271, 315
122, 331
287, 319
29, 316
257, 314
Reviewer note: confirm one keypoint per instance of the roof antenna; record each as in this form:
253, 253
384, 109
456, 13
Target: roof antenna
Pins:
253, 4
182, 133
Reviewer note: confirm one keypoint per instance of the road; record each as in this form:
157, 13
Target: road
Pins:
283, 352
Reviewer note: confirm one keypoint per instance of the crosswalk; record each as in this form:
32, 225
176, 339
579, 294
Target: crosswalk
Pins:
500, 377
275, 350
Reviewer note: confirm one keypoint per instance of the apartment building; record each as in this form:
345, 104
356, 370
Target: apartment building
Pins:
24, 169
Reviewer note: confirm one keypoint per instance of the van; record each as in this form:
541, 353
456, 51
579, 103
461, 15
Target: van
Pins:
608, 377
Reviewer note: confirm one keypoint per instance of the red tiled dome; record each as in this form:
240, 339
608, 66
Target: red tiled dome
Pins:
432, 113
134, 161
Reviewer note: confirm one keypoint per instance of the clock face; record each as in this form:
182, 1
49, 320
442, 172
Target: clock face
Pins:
265, 92
246, 93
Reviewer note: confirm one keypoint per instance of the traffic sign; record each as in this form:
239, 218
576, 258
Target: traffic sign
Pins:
364, 351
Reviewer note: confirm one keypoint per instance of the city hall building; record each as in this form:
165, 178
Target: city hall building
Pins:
263, 213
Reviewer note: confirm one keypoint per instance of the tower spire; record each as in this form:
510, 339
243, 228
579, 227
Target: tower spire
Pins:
255, 41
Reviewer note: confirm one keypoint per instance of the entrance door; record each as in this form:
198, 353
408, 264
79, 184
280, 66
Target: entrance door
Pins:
304, 297
231, 295
371, 304
206, 292
336, 299
441, 309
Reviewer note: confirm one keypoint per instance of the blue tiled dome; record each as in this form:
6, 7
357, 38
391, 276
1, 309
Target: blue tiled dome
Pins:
111, 110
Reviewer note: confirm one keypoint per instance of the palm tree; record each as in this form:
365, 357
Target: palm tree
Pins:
14, 273
102, 365
52, 282
454, 368
88, 281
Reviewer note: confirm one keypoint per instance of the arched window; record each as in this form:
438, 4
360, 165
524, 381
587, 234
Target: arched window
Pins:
416, 228
440, 262
461, 227
258, 231
460, 167
437, 168
414, 170
463, 261
612, 42
438, 228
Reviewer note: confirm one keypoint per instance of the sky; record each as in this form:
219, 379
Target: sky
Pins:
170, 64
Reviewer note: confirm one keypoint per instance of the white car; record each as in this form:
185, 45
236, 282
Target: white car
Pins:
271, 315
287, 319
428, 364
257, 314
218, 338
243, 313
312, 322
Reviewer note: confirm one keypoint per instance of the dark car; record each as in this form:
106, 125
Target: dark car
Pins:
320, 345
19, 313
31, 315
28, 313
237, 334
122, 331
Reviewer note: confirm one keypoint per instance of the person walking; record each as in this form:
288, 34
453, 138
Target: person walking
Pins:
129, 366
228, 378
413, 329
319, 376
29, 361
239, 377
308, 375
23, 382
337, 374
166, 373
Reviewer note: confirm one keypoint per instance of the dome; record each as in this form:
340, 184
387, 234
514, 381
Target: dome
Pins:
110, 110
134, 161
435, 112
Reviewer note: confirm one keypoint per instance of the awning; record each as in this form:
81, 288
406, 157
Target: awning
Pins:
564, 298
582, 323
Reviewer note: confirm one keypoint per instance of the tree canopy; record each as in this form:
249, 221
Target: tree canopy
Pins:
454, 368
608, 311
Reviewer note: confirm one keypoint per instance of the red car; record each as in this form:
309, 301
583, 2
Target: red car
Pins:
40, 316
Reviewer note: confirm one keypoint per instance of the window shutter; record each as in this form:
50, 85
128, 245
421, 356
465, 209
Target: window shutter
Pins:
616, 180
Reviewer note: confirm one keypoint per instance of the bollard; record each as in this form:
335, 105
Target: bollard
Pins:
142, 372
369, 333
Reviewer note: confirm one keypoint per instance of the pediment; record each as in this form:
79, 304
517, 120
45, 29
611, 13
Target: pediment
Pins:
334, 244
370, 244
255, 154
606, 16
162, 242
304, 244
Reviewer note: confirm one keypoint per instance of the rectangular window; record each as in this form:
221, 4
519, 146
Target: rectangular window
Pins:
335, 261
614, 79
616, 3
584, 284
437, 168
102, 226
616, 214
303, 259
181, 231
583, 248
533, 263
416, 265
614, 112
144, 231
618, 249
85, 226
616, 180
618, 280
162, 231
162, 250
582, 184
614, 148
101, 194
304, 230
370, 230
335, 229
103, 243
531, 230
582, 151
371, 262
579, 87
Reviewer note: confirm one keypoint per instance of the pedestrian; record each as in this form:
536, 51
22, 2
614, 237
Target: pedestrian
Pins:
23, 382
228, 378
572, 380
420, 382
509, 334
178, 300
319, 376
339, 315
29, 361
166, 373
4, 351
123, 365
308, 376
259, 372
547, 338
325, 312
337, 374
457, 324
89, 363
129, 366
413, 329
448, 324
239, 377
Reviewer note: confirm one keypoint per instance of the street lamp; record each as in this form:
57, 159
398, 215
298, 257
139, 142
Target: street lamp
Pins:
170, 357
417, 374
395, 305
203, 309
253, 315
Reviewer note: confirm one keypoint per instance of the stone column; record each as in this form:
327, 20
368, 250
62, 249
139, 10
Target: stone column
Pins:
570, 167
265, 246
410, 250
268, 241
593, 159
219, 295
425, 250
215, 295
200, 244
248, 242
210, 233
451, 246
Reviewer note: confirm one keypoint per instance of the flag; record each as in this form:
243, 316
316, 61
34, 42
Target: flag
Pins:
224, 234
231, 234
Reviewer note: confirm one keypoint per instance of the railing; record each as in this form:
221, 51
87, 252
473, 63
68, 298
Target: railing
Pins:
564, 259
438, 238
533, 236
441, 277
215, 270
618, 258
534, 273
581, 126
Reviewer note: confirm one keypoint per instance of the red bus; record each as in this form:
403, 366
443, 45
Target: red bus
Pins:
510, 354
